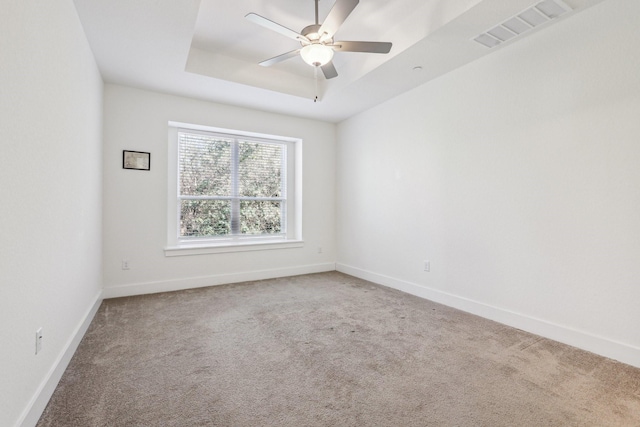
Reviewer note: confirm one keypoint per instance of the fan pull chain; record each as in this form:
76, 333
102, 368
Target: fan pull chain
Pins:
315, 74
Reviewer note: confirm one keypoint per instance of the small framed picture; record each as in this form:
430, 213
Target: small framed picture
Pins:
136, 160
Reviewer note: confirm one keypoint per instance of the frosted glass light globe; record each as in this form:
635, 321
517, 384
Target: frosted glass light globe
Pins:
316, 54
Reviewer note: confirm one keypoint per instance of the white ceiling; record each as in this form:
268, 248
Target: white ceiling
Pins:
206, 49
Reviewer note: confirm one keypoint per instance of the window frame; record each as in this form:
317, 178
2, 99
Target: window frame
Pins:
292, 236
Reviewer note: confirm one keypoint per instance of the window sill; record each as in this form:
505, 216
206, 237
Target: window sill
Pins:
212, 248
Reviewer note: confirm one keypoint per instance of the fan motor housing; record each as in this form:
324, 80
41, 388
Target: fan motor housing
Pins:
312, 32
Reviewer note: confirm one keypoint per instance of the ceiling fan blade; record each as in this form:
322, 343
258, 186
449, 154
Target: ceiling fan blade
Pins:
369, 47
329, 70
261, 20
280, 58
338, 14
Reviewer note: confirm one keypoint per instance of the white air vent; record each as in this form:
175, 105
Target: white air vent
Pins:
536, 15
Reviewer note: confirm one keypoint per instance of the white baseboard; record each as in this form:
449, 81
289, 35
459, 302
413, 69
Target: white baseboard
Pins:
218, 279
603, 346
38, 403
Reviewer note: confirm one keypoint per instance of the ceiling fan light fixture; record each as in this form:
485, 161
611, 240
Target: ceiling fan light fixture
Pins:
316, 39
316, 54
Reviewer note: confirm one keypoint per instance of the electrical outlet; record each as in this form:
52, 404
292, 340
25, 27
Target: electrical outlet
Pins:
319, 249
427, 266
38, 340
125, 264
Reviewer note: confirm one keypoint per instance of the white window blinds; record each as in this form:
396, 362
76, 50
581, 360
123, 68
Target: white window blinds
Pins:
230, 186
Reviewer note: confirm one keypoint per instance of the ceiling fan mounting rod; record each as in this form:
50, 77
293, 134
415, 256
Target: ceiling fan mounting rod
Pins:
317, 22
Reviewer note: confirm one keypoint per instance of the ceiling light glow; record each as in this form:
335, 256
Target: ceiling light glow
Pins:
316, 54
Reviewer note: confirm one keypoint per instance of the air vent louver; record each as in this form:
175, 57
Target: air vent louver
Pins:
532, 17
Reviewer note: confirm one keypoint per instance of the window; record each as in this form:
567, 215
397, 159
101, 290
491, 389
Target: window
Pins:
232, 189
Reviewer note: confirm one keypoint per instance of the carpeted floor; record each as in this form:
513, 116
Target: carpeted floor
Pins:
327, 350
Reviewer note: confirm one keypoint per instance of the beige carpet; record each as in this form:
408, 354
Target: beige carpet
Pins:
327, 350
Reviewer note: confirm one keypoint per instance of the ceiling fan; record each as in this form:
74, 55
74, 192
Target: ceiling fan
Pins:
316, 40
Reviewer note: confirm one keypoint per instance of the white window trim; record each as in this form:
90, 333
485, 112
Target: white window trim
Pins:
182, 247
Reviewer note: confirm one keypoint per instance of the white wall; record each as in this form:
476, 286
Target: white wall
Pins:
135, 202
518, 177
51, 202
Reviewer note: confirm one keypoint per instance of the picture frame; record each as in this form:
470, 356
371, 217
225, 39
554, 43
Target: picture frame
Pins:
137, 160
